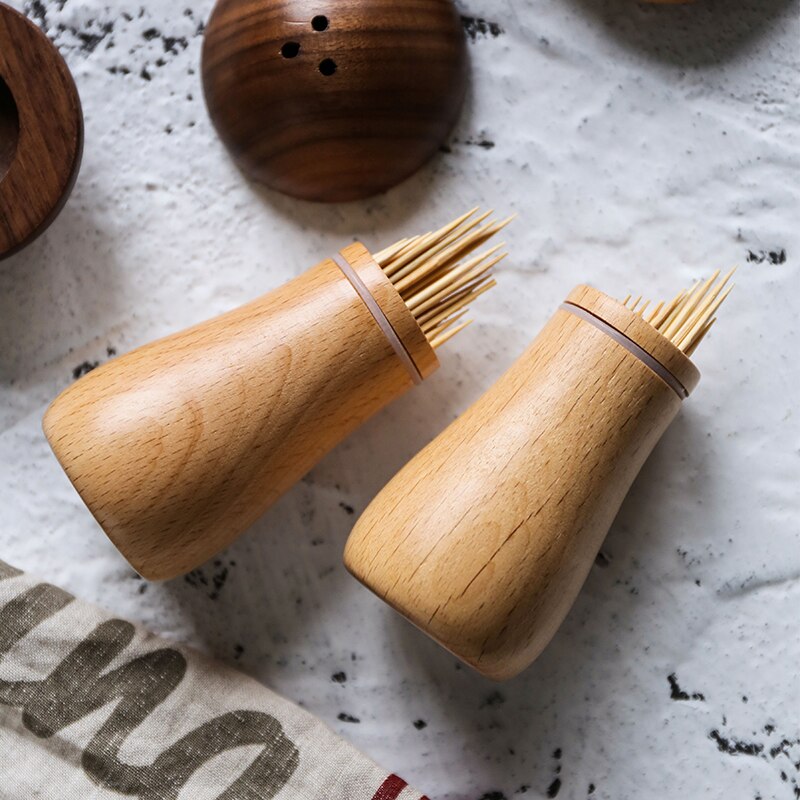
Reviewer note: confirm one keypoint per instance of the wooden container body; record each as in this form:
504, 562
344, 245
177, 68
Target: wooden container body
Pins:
485, 538
179, 446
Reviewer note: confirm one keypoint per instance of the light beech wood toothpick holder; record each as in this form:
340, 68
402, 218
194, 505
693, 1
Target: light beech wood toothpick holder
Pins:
485, 538
179, 446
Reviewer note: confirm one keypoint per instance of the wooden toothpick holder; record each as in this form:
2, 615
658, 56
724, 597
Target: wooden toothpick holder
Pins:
485, 538
179, 446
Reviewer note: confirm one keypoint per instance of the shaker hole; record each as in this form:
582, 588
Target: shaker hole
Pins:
320, 23
9, 128
290, 49
327, 67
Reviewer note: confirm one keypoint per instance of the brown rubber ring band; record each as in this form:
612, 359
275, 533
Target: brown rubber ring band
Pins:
381, 318
631, 346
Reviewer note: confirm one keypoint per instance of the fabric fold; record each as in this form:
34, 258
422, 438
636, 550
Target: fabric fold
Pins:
96, 708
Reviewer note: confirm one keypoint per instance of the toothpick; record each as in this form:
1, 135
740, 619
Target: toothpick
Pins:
437, 274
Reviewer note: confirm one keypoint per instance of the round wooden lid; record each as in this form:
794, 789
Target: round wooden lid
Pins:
41, 131
333, 100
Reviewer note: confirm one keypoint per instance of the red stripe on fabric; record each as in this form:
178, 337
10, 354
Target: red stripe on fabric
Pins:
390, 788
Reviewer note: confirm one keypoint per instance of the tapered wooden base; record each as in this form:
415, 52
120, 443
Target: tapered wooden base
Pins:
179, 446
484, 539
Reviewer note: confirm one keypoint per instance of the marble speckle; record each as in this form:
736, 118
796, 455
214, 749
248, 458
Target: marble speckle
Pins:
676, 693
642, 146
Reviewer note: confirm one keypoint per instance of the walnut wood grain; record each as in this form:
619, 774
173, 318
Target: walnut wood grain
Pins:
9, 128
484, 539
41, 131
398, 86
180, 445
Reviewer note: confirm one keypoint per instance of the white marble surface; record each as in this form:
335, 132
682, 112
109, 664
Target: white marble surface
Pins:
642, 147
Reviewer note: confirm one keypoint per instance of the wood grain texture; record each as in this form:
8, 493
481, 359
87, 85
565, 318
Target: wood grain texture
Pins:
638, 331
41, 131
485, 538
398, 86
180, 445
9, 128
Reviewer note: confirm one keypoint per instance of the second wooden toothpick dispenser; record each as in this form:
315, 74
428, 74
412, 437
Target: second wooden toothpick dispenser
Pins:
485, 538
179, 446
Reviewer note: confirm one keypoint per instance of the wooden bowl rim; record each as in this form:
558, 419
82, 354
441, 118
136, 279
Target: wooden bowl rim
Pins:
35, 126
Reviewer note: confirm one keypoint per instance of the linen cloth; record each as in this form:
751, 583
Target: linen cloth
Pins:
95, 708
